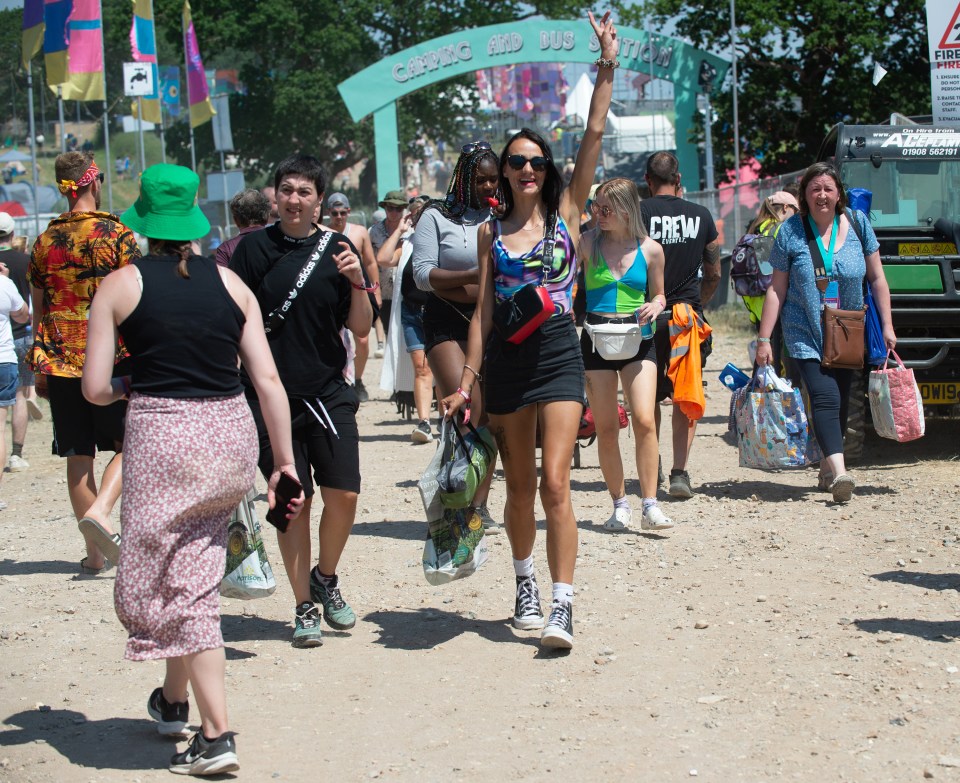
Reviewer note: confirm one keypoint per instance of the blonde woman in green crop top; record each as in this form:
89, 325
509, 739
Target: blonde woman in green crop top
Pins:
623, 275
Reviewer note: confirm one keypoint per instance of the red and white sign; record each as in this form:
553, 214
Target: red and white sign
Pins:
943, 34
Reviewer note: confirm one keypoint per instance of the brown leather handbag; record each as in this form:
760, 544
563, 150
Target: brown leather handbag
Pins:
843, 330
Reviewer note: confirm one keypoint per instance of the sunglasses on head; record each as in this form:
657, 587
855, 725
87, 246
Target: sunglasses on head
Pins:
473, 146
517, 162
603, 211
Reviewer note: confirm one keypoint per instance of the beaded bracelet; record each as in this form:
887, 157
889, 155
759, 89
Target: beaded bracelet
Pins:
763, 339
368, 289
464, 394
603, 62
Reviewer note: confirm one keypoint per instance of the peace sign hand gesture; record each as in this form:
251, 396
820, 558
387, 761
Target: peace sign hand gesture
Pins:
606, 34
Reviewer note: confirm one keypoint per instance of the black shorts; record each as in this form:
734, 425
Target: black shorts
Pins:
81, 428
444, 321
592, 360
546, 367
335, 458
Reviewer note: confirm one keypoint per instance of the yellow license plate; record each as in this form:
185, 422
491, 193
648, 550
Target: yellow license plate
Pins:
926, 249
940, 393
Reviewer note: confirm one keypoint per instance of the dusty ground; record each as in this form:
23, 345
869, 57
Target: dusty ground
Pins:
770, 635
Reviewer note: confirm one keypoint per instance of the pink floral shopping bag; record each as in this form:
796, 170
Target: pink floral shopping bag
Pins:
895, 402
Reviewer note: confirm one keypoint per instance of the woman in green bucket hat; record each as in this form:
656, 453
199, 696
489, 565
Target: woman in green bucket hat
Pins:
190, 450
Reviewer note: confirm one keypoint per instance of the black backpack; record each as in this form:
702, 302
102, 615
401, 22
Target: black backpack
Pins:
750, 267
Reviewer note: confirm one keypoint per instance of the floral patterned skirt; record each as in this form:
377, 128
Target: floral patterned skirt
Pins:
186, 465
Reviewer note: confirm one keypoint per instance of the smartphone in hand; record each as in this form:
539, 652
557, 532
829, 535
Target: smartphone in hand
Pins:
287, 489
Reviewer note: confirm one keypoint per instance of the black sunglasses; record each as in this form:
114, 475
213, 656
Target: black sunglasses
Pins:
100, 177
517, 162
473, 146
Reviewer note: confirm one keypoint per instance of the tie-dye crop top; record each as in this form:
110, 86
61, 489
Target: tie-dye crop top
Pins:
511, 273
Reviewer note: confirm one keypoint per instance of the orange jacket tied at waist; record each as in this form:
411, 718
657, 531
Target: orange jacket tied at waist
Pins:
687, 331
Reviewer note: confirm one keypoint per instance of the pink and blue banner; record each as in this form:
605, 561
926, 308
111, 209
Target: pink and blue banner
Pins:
198, 94
143, 47
84, 53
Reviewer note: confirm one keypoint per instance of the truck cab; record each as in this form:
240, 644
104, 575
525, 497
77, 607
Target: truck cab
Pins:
913, 174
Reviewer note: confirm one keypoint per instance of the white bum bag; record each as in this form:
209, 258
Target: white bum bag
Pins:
615, 341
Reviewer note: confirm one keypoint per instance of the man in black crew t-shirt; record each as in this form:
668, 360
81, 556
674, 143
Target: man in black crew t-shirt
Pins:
310, 284
691, 272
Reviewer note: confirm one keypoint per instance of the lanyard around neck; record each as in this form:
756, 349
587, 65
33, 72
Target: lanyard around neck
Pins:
825, 252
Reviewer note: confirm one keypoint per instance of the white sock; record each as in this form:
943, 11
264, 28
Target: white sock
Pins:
647, 502
563, 592
523, 568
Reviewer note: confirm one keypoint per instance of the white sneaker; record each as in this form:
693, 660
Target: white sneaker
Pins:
655, 519
378, 352
620, 521
17, 463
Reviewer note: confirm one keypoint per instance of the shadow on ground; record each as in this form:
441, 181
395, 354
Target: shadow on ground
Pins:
424, 629
24, 568
924, 580
407, 530
931, 630
130, 744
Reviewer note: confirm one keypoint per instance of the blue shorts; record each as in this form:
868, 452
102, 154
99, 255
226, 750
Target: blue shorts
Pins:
22, 347
9, 382
411, 319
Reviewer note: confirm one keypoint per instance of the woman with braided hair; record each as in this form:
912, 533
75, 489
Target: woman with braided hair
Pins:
445, 264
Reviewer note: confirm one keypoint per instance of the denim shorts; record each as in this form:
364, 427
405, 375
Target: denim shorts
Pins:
411, 319
22, 347
9, 382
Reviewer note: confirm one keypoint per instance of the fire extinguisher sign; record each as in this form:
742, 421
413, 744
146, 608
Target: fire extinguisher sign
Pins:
943, 34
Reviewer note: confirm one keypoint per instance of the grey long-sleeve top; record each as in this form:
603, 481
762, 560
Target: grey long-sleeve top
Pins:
440, 243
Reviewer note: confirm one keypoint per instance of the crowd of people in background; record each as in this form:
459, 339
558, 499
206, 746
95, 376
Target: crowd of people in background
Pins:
255, 358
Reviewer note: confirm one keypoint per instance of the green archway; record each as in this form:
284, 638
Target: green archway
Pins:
376, 89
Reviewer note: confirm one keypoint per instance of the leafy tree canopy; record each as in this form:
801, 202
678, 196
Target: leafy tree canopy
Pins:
805, 65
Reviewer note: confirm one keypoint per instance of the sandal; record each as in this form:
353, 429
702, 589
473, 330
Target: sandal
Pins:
108, 543
86, 570
842, 488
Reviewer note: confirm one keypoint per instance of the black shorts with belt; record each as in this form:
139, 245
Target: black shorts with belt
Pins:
444, 320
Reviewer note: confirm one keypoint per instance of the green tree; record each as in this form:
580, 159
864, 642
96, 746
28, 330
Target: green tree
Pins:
805, 65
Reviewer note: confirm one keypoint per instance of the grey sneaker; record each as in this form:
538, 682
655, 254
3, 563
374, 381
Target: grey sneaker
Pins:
842, 488
680, 484
558, 632
490, 526
654, 519
362, 394
306, 626
207, 757
336, 611
422, 433
171, 717
527, 614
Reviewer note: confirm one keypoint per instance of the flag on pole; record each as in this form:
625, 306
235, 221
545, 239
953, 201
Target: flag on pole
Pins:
170, 90
143, 46
198, 94
32, 30
84, 53
55, 16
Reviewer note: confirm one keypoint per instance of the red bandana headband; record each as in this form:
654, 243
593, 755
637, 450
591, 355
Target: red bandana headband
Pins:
89, 176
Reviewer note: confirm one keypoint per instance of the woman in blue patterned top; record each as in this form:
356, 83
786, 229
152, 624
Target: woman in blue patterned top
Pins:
846, 262
539, 380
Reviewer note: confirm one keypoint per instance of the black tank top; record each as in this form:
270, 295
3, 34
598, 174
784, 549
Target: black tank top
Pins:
184, 334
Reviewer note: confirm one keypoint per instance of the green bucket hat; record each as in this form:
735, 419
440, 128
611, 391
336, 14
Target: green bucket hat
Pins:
394, 198
167, 206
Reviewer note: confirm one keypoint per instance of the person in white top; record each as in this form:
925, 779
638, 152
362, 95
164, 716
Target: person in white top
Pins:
12, 307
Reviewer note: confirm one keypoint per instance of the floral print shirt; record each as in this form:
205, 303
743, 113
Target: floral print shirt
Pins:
68, 263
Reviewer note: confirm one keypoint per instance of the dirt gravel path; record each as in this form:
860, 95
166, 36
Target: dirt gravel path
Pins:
770, 635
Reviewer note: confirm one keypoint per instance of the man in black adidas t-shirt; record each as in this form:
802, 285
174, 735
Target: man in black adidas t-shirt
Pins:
691, 273
310, 285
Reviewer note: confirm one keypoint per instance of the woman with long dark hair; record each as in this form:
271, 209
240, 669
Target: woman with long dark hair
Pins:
445, 264
538, 381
